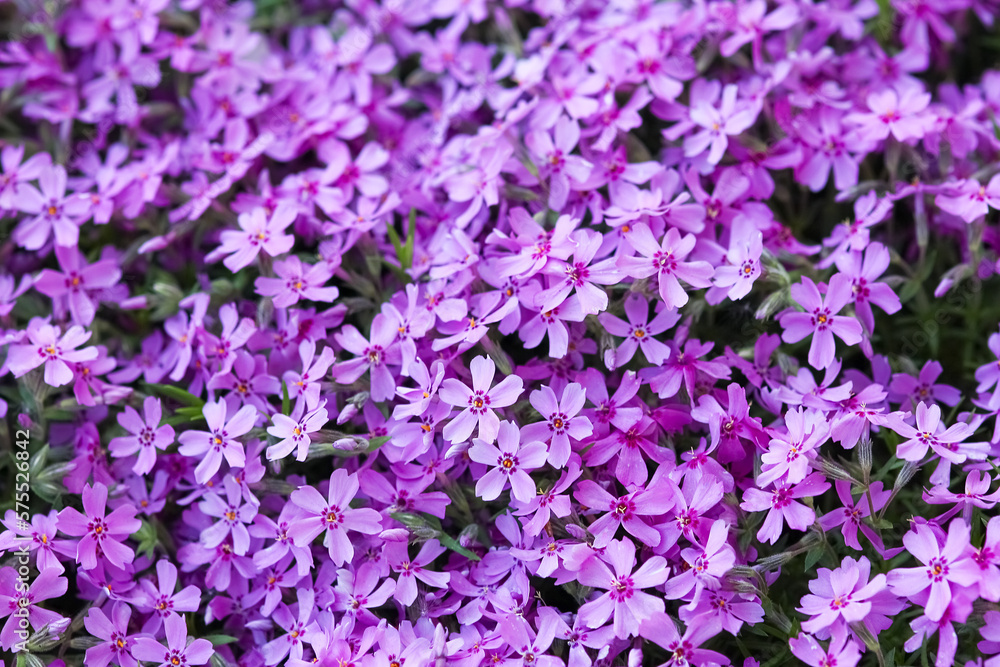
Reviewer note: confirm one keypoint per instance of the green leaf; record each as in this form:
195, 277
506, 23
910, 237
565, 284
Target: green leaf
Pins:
406, 260
286, 403
451, 543
812, 557
220, 640
177, 394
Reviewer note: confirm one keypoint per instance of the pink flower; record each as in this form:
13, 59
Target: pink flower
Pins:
666, 261
479, 402
102, 534
943, 566
970, 199
20, 601
147, 435
220, 441
580, 276
706, 565
625, 511
48, 348
821, 319
512, 460
373, 356
624, 602
639, 333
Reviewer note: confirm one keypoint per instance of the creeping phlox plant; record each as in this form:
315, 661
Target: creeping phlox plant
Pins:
447, 333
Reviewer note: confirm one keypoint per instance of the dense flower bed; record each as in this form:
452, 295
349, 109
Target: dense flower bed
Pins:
468, 332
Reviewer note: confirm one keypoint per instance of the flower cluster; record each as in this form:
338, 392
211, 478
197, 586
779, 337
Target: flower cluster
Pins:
501, 332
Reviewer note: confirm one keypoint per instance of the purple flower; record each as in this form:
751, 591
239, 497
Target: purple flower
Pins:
851, 514
147, 435
102, 534
580, 276
294, 434
639, 332
77, 282
565, 171
333, 516
742, 265
408, 571
863, 270
258, 231
943, 566
821, 319
841, 595
48, 348
117, 644
56, 212
177, 652
232, 514
479, 402
625, 511
706, 565
624, 602
924, 388
162, 600
896, 112
730, 118
930, 433
512, 460
666, 261
562, 421
220, 441
781, 506
372, 356
20, 601
297, 281
790, 454
842, 652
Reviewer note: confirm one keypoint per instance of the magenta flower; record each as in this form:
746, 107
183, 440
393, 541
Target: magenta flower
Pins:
294, 434
20, 601
851, 514
102, 534
562, 421
147, 435
782, 507
565, 171
333, 516
988, 375
479, 402
258, 231
988, 560
117, 644
177, 652
863, 270
971, 200
943, 566
666, 261
77, 282
624, 602
220, 441
48, 348
512, 460
842, 595
924, 388
297, 281
821, 319
790, 454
